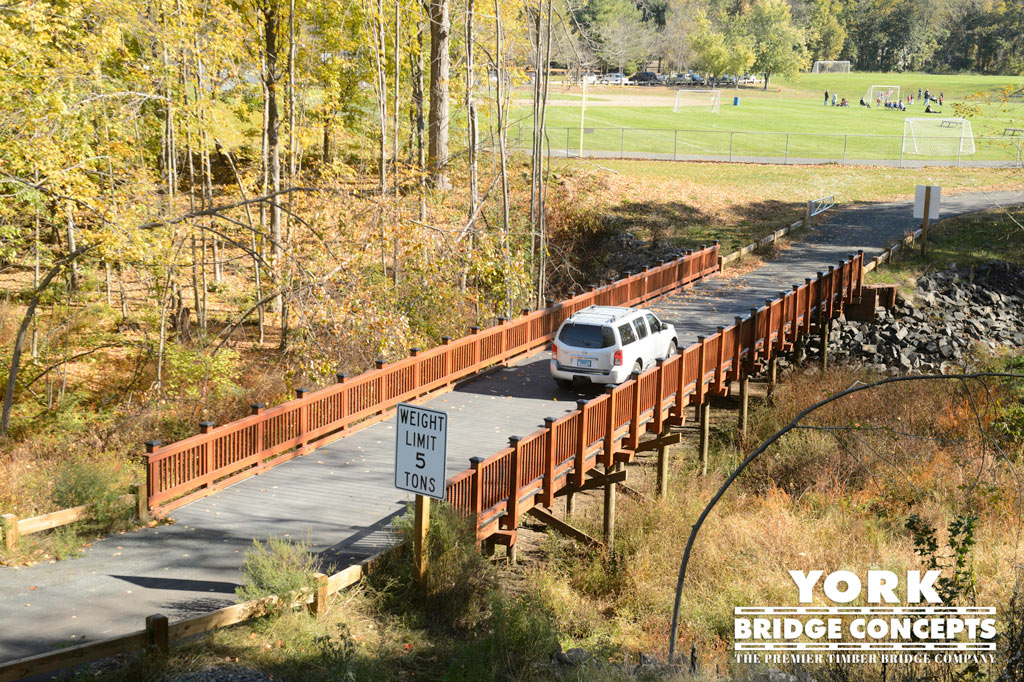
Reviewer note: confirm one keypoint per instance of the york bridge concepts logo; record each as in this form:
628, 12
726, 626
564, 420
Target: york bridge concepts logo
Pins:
921, 630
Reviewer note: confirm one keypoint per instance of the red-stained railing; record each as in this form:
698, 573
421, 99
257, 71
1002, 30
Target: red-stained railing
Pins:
219, 456
497, 490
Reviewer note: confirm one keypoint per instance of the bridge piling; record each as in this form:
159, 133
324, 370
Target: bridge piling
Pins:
609, 505
705, 434
663, 465
744, 402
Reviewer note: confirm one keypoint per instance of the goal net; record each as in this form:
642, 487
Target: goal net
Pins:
830, 67
882, 93
701, 99
937, 136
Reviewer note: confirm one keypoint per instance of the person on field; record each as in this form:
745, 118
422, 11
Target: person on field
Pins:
919, 93
927, 96
864, 104
940, 99
833, 99
928, 110
826, 98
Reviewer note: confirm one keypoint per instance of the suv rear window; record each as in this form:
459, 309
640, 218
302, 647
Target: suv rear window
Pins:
586, 336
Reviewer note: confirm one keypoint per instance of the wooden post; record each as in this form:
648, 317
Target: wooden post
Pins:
737, 348
158, 633
318, 607
151, 478
548, 491
773, 371
807, 215
206, 427
705, 433
663, 466
511, 520
141, 502
744, 402
608, 456
10, 523
421, 558
609, 507
478, 490
659, 392
924, 221
579, 466
702, 356
300, 394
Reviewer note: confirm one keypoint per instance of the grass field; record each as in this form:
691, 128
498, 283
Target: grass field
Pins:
787, 120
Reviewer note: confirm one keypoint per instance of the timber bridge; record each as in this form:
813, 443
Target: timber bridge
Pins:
336, 490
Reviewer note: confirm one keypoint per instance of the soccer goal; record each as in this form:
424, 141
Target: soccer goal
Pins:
711, 99
885, 93
934, 137
825, 66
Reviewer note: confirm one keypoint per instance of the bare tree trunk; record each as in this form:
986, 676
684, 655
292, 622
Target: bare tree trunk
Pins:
72, 270
417, 99
270, 48
291, 112
499, 57
543, 187
440, 30
35, 283
472, 139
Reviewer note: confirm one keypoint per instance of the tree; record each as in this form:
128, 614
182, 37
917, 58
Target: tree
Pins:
440, 65
827, 35
778, 45
718, 51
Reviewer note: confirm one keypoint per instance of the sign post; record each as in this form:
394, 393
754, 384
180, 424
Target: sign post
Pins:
421, 446
926, 207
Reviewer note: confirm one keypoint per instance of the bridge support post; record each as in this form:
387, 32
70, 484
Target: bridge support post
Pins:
609, 507
663, 466
568, 501
773, 373
705, 433
823, 330
744, 402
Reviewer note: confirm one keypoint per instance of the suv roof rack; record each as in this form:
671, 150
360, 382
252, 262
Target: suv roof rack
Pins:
603, 313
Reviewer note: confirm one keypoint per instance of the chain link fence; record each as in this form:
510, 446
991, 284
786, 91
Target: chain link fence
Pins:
766, 147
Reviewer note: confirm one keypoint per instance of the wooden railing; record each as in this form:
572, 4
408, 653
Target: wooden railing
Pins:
221, 455
498, 489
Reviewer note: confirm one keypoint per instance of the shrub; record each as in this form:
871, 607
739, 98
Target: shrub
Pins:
277, 567
87, 481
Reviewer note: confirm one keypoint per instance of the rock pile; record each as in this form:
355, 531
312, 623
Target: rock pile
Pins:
952, 311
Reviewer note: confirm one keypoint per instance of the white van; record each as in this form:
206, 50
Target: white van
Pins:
605, 344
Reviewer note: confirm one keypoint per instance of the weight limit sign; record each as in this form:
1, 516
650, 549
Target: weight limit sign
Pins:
420, 450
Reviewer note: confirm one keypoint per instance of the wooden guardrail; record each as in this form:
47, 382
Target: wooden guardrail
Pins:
14, 528
221, 455
160, 632
497, 490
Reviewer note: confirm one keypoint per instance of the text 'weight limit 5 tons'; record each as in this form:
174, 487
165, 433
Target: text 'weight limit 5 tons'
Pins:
420, 450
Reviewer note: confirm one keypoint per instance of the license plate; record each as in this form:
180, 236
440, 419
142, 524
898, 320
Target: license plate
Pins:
584, 362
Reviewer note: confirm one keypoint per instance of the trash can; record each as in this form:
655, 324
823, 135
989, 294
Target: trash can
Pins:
735, 101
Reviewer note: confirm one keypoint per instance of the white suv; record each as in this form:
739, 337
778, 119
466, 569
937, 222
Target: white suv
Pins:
605, 344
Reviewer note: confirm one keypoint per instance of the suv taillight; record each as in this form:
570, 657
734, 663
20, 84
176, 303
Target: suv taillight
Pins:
554, 350
617, 358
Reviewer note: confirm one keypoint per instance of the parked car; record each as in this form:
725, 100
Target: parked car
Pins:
679, 79
645, 78
614, 79
696, 79
748, 79
605, 344
589, 78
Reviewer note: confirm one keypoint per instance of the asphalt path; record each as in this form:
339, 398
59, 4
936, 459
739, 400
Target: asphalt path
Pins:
340, 498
